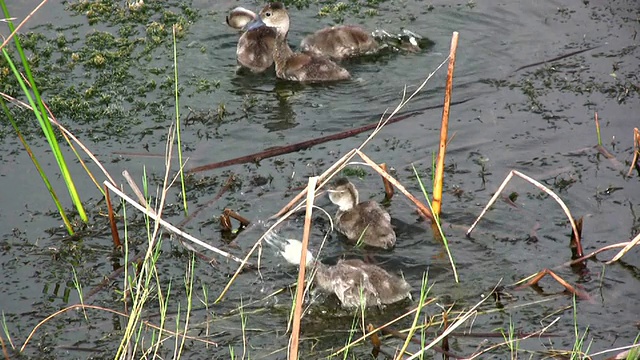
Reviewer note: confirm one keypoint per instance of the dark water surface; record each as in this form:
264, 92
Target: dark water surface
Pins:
538, 120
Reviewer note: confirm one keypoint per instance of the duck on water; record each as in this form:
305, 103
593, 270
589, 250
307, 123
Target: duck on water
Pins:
352, 281
361, 222
256, 45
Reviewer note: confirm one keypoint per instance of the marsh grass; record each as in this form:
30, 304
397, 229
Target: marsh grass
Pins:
30, 90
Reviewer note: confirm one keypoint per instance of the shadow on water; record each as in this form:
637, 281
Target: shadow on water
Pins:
537, 120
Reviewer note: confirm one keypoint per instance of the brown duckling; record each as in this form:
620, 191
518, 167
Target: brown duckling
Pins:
340, 42
256, 45
350, 280
366, 222
297, 66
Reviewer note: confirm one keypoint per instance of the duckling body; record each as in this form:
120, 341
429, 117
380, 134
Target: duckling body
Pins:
292, 66
366, 222
350, 280
256, 45
340, 42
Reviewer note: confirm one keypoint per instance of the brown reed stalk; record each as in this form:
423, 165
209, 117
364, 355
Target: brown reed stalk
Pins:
388, 188
436, 203
112, 220
297, 314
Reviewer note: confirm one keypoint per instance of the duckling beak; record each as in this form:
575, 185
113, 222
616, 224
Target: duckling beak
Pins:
256, 23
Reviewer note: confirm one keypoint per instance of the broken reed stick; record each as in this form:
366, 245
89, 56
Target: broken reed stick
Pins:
117, 244
436, 202
539, 186
423, 209
297, 314
388, 188
570, 288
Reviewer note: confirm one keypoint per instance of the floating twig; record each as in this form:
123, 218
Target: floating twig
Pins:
570, 288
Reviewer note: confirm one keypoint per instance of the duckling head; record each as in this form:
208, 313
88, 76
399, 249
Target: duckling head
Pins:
275, 16
290, 249
343, 194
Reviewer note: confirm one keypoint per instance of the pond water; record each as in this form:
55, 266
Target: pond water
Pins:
537, 120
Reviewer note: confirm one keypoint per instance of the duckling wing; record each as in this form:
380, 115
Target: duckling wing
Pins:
339, 42
352, 284
370, 221
304, 67
389, 288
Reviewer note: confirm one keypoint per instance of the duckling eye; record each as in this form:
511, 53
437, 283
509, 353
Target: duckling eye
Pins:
267, 14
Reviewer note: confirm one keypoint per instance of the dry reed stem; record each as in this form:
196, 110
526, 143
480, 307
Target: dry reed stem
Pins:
4, 349
541, 274
425, 210
85, 306
297, 314
636, 150
594, 253
436, 202
539, 186
168, 226
626, 249
24, 21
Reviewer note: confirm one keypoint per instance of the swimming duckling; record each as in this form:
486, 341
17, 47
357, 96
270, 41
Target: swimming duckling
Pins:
256, 45
340, 42
364, 222
297, 66
350, 280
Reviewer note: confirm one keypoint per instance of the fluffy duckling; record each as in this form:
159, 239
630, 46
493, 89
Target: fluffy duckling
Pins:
297, 66
340, 42
350, 280
256, 45
364, 222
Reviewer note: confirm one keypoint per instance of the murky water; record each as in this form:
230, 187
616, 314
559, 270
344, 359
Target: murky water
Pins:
537, 120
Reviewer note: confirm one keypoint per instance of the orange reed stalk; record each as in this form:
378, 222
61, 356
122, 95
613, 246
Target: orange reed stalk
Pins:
297, 313
436, 204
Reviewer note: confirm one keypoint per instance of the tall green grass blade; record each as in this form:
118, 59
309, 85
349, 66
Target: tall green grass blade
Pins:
437, 220
40, 112
175, 90
36, 163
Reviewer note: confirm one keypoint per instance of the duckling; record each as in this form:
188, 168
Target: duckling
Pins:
340, 42
297, 66
350, 280
256, 45
366, 221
